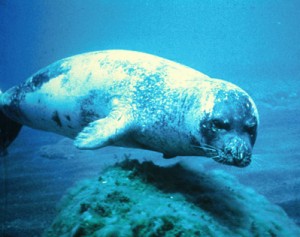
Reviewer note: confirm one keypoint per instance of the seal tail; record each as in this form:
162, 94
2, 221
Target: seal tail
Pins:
9, 130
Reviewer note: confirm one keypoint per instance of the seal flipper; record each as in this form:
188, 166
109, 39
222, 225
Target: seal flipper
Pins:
9, 130
103, 132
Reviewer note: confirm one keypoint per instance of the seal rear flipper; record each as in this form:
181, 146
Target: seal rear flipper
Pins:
102, 132
9, 130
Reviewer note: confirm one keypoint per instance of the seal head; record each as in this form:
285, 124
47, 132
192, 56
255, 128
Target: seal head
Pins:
229, 128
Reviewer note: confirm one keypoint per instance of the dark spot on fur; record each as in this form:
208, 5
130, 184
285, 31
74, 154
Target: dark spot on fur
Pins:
55, 118
89, 77
130, 70
88, 116
64, 81
45, 75
39, 79
87, 111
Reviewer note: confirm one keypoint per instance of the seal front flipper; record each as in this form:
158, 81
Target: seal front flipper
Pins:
103, 132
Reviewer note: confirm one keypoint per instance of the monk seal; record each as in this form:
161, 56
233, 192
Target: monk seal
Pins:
134, 99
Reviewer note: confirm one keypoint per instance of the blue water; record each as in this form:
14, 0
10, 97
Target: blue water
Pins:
228, 39
254, 44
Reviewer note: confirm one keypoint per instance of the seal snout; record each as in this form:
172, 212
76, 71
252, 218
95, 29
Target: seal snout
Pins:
236, 152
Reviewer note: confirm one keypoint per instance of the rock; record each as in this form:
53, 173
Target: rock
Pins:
142, 199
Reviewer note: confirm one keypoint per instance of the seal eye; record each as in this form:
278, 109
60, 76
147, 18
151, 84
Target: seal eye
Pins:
251, 129
220, 124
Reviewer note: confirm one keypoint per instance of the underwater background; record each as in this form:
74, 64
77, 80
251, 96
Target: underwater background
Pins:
254, 44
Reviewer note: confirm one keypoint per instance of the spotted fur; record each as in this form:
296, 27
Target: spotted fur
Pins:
133, 99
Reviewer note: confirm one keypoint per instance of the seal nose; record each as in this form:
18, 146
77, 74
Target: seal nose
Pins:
238, 152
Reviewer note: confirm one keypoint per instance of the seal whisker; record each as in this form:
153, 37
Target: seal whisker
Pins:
258, 162
206, 148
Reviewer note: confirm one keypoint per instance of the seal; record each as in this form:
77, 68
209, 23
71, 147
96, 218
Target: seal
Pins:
134, 99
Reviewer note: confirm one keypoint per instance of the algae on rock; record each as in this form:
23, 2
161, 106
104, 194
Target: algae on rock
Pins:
142, 199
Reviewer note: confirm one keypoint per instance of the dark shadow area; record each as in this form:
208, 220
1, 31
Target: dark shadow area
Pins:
198, 188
